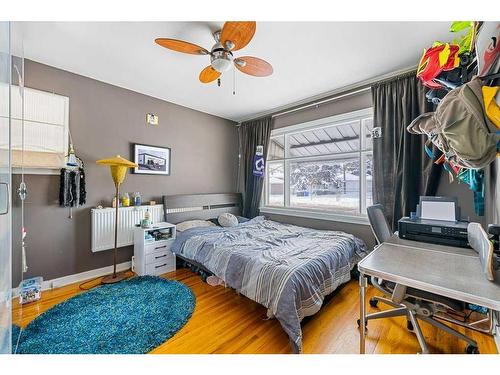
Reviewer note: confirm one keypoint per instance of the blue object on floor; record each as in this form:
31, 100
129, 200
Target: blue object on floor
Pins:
130, 317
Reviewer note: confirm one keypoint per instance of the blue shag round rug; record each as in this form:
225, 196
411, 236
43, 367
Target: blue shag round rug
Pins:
130, 317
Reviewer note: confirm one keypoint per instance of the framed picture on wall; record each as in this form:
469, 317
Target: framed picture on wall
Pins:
152, 159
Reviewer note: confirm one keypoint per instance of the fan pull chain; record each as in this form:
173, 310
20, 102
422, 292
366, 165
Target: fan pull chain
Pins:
218, 82
234, 81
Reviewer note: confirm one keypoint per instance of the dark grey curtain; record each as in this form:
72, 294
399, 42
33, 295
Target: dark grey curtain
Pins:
252, 134
402, 170
492, 186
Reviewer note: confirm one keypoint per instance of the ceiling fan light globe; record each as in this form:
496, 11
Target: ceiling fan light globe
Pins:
222, 65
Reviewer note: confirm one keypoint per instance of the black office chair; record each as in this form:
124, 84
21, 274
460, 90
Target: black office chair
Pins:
413, 303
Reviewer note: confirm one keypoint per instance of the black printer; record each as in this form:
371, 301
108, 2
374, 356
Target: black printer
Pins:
436, 221
434, 231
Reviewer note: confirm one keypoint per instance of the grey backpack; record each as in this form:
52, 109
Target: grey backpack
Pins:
460, 128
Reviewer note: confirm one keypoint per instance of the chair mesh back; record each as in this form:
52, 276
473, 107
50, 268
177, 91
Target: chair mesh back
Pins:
378, 222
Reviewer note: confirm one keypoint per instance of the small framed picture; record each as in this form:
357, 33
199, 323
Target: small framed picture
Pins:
152, 159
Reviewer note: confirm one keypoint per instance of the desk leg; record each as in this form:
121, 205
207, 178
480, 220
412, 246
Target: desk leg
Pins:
362, 312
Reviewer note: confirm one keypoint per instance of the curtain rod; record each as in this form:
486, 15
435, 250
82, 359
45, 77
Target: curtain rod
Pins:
333, 95
319, 102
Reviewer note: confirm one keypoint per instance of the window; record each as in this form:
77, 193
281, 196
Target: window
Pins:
40, 140
322, 167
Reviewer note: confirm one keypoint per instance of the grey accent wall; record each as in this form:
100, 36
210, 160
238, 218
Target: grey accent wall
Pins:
347, 104
104, 121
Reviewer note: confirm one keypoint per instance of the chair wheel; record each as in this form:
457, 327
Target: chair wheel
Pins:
409, 325
359, 323
471, 349
373, 302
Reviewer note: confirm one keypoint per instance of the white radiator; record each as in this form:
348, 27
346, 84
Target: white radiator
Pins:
103, 225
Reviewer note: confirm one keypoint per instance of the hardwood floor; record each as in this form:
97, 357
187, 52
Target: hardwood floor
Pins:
225, 322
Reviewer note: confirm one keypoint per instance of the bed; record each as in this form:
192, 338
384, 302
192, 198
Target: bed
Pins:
286, 268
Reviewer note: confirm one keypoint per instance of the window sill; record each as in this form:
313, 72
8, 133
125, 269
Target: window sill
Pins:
320, 215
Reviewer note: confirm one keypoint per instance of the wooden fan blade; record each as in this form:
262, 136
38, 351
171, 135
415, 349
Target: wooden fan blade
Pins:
236, 35
209, 74
181, 46
253, 66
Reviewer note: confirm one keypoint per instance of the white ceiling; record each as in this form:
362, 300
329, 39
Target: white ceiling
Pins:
309, 58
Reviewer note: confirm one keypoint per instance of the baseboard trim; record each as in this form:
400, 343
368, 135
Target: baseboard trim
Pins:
78, 277
82, 276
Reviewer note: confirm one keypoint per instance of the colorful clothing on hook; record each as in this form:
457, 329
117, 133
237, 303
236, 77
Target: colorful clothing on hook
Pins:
491, 97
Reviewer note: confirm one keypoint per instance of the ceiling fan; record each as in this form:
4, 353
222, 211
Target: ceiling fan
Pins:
233, 36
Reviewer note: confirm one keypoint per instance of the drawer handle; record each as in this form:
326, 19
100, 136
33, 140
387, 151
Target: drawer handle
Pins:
161, 256
162, 265
161, 247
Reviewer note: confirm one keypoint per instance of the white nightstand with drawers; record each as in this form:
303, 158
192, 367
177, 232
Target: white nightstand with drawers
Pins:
152, 255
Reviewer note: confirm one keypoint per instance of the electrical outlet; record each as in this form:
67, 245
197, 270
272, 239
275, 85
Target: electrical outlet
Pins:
151, 119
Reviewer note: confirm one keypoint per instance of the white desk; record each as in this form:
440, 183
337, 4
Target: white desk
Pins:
448, 271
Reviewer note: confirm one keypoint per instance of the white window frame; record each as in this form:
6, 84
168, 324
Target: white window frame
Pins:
362, 154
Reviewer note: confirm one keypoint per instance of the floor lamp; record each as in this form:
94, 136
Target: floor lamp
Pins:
118, 167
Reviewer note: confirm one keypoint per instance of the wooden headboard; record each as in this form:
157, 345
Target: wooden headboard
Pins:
178, 208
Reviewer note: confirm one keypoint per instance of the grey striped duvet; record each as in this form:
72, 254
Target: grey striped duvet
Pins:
288, 269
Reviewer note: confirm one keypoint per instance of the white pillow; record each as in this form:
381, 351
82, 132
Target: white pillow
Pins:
227, 220
193, 224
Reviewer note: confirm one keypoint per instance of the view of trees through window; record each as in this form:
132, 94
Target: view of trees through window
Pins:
330, 168
327, 183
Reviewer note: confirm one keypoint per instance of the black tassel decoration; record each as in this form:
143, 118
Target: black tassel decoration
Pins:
83, 191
